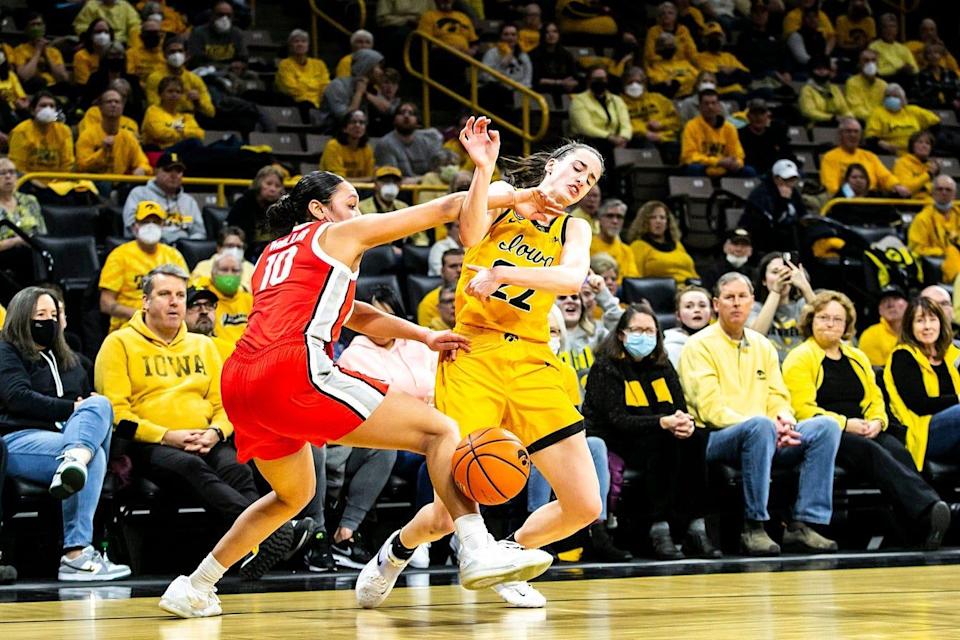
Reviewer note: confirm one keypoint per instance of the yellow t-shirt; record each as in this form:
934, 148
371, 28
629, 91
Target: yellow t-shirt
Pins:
512, 241
164, 129
618, 251
794, 18
878, 341
343, 66
427, 311
33, 149
123, 157
834, 163
653, 107
191, 82
653, 262
84, 64
124, 270
913, 174
686, 47
142, 62
666, 71
846, 27
528, 39
303, 82
896, 128
52, 56
11, 90
347, 162
863, 96
892, 56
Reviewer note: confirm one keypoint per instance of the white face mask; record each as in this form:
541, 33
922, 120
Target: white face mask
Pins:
737, 261
554, 344
156, 17
706, 86
222, 24
177, 59
46, 115
149, 233
389, 191
236, 252
101, 39
634, 89
870, 69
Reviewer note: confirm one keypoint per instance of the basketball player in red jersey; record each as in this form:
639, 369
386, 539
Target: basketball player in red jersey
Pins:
282, 390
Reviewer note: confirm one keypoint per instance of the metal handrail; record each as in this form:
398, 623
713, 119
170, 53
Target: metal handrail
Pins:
220, 183
316, 12
896, 202
475, 66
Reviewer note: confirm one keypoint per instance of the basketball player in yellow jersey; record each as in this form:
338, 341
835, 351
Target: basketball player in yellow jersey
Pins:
514, 268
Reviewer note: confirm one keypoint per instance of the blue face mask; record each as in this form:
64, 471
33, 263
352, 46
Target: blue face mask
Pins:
640, 345
892, 103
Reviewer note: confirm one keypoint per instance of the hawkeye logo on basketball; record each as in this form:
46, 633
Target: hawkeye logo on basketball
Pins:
523, 458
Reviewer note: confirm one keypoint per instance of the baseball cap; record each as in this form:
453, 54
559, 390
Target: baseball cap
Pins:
387, 170
712, 28
785, 169
892, 291
194, 294
149, 208
170, 160
740, 236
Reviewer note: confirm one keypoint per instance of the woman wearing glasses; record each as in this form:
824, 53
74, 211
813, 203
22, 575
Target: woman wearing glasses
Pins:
827, 376
635, 403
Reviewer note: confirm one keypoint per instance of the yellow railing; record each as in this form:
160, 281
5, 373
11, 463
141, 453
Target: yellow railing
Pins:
474, 67
220, 183
896, 202
316, 12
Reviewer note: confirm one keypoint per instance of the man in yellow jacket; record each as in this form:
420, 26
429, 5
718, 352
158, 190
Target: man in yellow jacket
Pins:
710, 145
451, 265
822, 101
864, 91
935, 231
733, 386
834, 163
108, 147
653, 117
164, 384
599, 117
235, 304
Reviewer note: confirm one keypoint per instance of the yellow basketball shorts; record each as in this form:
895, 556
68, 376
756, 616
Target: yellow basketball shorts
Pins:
511, 383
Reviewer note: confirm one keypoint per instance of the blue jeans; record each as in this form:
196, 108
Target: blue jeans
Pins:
943, 438
538, 489
751, 446
33, 456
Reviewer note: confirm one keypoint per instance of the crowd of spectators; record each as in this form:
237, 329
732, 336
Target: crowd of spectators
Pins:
717, 89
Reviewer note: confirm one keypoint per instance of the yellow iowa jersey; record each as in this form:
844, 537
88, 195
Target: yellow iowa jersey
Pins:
517, 242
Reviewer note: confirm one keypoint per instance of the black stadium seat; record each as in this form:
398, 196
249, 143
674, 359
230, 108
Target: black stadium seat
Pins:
379, 260
75, 260
659, 292
214, 219
67, 221
415, 259
365, 285
195, 250
419, 286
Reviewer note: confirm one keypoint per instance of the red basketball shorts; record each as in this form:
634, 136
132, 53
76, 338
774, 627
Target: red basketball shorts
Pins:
291, 393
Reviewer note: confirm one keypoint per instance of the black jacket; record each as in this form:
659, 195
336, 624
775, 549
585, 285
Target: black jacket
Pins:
28, 391
772, 219
605, 406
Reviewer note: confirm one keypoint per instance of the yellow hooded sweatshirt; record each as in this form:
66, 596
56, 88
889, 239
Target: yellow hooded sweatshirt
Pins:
155, 387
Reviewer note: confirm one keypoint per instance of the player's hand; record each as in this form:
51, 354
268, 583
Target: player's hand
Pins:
482, 144
534, 204
446, 341
483, 284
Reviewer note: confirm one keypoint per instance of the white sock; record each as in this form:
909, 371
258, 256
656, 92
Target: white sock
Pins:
472, 531
80, 454
207, 574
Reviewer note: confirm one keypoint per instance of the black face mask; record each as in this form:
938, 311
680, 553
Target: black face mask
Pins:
858, 13
598, 87
115, 65
667, 53
713, 45
690, 330
43, 332
150, 39
821, 80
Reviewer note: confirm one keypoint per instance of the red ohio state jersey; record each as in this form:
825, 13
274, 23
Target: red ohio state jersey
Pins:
298, 291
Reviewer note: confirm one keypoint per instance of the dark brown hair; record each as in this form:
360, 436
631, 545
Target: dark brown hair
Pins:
612, 347
921, 304
529, 171
16, 328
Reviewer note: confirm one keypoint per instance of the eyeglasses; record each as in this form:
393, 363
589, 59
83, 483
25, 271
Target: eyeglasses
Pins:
204, 305
8, 172
830, 319
573, 297
445, 302
635, 331
616, 216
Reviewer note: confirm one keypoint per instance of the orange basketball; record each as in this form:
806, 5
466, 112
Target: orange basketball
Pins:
490, 466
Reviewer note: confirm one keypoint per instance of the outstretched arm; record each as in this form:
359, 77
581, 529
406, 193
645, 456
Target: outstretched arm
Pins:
369, 320
566, 277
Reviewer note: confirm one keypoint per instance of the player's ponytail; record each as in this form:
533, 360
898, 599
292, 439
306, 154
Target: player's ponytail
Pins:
291, 209
529, 171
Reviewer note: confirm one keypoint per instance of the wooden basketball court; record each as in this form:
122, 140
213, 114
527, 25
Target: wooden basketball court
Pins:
914, 602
